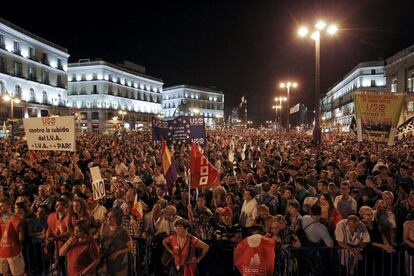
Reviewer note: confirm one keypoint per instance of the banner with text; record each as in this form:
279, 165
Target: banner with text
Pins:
182, 129
50, 133
294, 109
377, 115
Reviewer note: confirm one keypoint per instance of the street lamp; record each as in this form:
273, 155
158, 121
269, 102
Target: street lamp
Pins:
280, 100
320, 26
122, 113
12, 100
276, 107
288, 85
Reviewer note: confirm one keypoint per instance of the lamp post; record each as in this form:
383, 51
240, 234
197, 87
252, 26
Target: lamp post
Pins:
316, 36
280, 100
12, 100
122, 113
288, 85
276, 107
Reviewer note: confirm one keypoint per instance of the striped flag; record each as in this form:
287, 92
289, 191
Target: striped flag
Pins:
138, 208
169, 166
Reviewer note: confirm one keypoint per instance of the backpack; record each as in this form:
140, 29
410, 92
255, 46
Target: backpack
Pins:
302, 235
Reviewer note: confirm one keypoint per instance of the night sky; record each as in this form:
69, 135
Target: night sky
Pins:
238, 47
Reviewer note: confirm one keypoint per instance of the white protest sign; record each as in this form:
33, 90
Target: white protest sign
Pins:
50, 133
98, 188
95, 173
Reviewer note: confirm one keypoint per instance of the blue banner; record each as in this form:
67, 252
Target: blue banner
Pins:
183, 129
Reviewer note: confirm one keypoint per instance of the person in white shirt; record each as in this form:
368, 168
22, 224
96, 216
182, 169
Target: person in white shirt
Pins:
248, 212
352, 236
344, 203
98, 211
158, 177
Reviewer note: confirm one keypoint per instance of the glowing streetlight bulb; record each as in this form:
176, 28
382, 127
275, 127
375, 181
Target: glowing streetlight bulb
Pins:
282, 85
6, 98
303, 31
320, 25
332, 29
294, 85
315, 35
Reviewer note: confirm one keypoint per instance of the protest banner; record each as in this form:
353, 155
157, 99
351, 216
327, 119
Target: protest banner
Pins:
95, 173
50, 133
98, 188
377, 115
183, 129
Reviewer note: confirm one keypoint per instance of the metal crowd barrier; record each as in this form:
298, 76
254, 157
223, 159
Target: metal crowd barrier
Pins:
219, 261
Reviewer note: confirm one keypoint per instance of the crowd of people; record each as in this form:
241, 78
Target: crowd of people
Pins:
358, 197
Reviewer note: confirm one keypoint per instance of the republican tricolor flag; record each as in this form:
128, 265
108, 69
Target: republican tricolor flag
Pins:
203, 174
169, 166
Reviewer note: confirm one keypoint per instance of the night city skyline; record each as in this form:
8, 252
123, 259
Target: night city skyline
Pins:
240, 48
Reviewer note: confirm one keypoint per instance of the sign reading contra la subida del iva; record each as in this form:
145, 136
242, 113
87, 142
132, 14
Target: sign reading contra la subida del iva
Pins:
50, 133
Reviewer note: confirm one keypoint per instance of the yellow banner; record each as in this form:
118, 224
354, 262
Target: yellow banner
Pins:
377, 115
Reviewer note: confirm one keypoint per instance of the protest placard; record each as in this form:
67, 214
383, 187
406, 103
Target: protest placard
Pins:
50, 133
98, 188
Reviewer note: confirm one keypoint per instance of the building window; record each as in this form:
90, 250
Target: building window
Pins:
410, 82
372, 71
2, 45
95, 115
59, 64
94, 76
17, 69
45, 59
31, 53
373, 84
2, 88
31, 73
32, 95
16, 47
95, 89
83, 77
18, 91
60, 102
83, 116
44, 98
394, 85
410, 106
2, 65
45, 76
59, 81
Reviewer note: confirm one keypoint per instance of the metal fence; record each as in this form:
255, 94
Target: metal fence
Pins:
305, 261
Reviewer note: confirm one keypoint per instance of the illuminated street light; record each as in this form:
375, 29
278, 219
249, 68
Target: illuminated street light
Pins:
288, 85
320, 27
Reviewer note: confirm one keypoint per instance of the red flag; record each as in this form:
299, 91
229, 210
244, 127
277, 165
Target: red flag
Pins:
138, 208
255, 255
203, 174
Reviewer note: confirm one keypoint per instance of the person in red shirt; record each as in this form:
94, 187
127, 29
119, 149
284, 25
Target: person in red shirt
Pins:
57, 232
12, 235
81, 251
182, 247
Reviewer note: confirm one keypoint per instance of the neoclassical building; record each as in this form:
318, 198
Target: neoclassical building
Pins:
337, 106
104, 95
32, 70
194, 100
399, 72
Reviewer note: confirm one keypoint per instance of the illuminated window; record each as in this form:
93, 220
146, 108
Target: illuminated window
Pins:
410, 106
2, 41
16, 47
410, 82
32, 52
394, 85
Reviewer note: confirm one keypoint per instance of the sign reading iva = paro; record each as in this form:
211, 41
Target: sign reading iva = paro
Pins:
50, 133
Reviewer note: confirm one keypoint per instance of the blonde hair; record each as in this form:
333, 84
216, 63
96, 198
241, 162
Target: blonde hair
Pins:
365, 209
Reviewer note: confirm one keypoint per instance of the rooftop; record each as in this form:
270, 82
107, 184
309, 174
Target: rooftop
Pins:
206, 89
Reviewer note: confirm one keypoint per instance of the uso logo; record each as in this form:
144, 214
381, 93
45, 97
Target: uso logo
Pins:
49, 121
197, 121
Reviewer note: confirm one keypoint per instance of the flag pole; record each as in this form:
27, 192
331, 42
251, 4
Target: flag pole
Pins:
189, 187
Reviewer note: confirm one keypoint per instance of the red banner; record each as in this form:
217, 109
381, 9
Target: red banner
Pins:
203, 174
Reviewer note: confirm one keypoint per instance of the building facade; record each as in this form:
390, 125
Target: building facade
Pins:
399, 72
33, 71
192, 101
105, 95
337, 105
